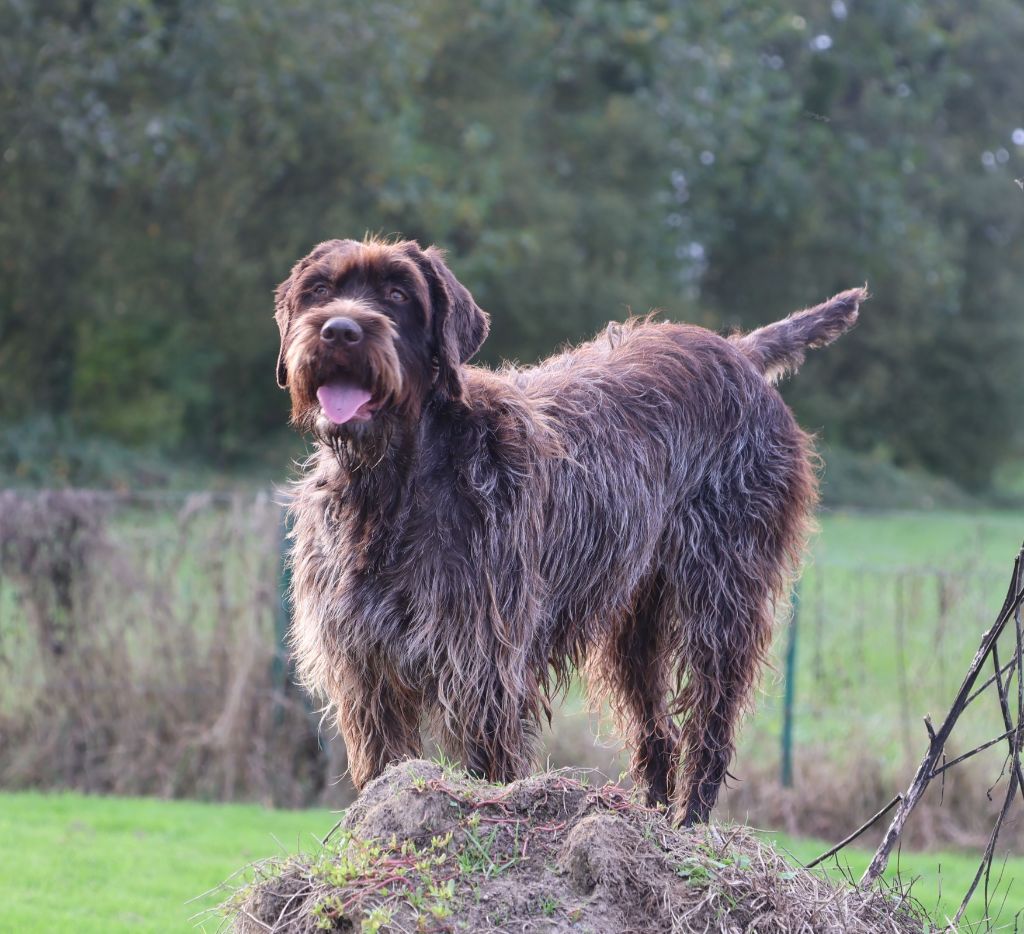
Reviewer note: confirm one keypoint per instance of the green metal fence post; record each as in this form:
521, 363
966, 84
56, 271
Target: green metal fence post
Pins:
282, 614
790, 688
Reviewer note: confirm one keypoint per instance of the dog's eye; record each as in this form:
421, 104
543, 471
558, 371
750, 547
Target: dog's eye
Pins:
397, 295
321, 291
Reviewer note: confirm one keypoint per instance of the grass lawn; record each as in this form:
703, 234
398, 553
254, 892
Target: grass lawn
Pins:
920, 539
93, 865
71, 862
892, 609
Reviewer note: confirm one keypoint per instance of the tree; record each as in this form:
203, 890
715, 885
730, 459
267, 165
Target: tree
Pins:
164, 162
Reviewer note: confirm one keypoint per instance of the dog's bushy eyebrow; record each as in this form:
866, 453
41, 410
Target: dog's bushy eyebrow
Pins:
312, 277
372, 271
395, 267
335, 269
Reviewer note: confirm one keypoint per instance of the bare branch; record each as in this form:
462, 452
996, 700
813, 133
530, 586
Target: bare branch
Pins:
973, 752
1004, 707
846, 841
1007, 670
986, 860
937, 743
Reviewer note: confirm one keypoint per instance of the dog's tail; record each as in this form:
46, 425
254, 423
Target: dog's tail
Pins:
778, 349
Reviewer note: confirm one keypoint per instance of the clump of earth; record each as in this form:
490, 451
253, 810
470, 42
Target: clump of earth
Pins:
428, 849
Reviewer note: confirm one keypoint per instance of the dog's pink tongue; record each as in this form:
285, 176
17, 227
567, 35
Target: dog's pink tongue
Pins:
340, 401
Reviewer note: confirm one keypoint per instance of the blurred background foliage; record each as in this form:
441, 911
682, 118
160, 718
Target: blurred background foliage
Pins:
163, 163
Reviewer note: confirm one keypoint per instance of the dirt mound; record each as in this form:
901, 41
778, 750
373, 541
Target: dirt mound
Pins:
426, 849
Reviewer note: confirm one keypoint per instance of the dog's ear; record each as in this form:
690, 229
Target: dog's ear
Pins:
460, 324
284, 301
283, 316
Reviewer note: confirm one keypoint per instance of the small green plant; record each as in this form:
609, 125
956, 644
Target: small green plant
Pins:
441, 842
549, 906
450, 766
478, 856
444, 900
693, 871
327, 912
416, 898
376, 919
699, 870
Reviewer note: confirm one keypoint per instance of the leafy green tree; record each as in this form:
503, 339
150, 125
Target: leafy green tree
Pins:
164, 161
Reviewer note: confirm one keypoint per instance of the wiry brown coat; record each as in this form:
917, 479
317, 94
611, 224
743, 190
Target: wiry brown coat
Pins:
635, 506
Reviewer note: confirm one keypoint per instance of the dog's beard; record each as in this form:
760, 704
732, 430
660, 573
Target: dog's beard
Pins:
360, 446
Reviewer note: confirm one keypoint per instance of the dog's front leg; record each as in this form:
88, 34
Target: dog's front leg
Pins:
378, 718
490, 725
495, 742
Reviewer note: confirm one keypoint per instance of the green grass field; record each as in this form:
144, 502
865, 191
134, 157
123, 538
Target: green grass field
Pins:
94, 865
938, 880
70, 862
908, 539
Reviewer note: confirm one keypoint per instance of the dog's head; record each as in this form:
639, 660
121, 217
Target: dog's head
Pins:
369, 331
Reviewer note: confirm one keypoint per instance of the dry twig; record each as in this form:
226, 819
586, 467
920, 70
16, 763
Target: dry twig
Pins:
929, 767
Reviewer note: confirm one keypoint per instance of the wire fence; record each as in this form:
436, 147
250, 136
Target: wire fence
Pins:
886, 643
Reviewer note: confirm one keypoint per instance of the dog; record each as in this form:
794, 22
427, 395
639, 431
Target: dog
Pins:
466, 539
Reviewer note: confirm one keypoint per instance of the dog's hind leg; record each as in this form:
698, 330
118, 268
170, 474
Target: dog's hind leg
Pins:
727, 612
633, 668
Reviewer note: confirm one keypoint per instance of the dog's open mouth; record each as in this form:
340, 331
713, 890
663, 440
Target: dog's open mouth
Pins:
343, 402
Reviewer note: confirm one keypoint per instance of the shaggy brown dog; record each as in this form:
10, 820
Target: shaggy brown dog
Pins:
465, 539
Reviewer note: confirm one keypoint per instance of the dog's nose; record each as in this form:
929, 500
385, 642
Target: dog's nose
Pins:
341, 331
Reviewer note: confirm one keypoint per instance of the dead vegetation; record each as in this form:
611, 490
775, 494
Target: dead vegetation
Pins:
139, 651
828, 799
428, 849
